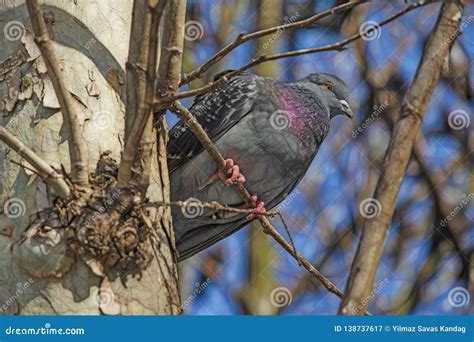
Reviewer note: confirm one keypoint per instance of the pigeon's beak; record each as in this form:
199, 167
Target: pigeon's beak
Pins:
347, 111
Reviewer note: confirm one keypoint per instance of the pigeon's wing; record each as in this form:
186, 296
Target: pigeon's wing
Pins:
217, 112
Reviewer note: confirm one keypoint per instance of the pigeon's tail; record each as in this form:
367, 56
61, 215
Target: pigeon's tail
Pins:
195, 240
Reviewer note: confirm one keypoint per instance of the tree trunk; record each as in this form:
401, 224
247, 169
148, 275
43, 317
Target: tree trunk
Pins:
39, 276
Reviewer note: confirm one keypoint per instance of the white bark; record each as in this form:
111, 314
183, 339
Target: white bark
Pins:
91, 40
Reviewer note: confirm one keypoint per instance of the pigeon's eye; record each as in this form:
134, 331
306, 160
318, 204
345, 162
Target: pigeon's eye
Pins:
328, 86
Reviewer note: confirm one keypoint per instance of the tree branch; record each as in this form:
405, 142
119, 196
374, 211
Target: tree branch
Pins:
374, 230
242, 37
50, 176
169, 75
212, 206
77, 145
169, 72
339, 46
141, 75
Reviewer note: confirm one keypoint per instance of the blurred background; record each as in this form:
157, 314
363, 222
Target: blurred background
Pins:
428, 263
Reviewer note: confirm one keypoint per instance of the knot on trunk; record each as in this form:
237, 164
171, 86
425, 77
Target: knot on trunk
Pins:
103, 224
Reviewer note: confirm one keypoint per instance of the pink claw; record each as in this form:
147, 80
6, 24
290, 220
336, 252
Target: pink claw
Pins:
235, 177
260, 208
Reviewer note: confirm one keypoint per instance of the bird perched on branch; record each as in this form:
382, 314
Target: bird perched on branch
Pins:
269, 132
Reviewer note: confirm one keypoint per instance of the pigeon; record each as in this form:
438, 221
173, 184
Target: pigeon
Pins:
269, 133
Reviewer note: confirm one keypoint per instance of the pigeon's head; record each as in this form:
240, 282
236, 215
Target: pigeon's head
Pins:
336, 91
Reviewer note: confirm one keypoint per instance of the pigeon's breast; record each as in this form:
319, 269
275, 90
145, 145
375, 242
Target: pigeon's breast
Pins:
306, 117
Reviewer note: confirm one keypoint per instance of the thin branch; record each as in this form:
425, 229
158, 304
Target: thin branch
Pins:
77, 145
216, 206
268, 228
211, 206
50, 176
374, 230
339, 46
242, 37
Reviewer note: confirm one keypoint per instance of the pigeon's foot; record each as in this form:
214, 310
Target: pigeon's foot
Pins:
260, 208
235, 178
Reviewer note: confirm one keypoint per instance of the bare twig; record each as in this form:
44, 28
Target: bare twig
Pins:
242, 37
50, 176
374, 230
212, 206
268, 228
224, 208
339, 46
77, 144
